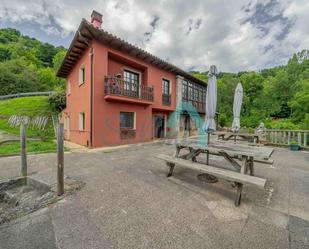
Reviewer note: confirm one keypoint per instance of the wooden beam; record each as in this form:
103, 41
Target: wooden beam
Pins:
77, 51
85, 36
71, 60
81, 41
73, 56
82, 48
68, 67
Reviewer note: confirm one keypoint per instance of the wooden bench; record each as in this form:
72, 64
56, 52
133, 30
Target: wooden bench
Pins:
225, 174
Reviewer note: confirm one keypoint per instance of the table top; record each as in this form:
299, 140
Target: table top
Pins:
230, 148
235, 133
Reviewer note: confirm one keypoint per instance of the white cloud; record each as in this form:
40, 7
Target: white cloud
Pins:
234, 35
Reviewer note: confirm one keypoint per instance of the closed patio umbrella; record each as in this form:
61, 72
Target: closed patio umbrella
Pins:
210, 123
237, 107
211, 101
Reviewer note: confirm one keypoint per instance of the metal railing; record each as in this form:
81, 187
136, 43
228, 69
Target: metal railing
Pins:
285, 137
166, 99
119, 87
17, 95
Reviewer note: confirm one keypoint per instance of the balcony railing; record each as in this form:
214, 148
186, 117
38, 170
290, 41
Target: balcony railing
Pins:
119, 87
166, 99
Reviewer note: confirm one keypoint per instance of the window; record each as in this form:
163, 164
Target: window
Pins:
131, 77
127, 120
196, 92
82, 121
185, 90
82, 75
190, 91
131, 81
67, 123
69, 87
165, 86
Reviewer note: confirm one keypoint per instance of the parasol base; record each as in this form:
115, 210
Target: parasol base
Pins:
207, 178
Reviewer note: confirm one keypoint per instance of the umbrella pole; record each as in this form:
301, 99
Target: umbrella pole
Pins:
207, 155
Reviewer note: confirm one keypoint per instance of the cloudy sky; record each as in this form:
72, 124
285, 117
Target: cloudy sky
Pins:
235, 35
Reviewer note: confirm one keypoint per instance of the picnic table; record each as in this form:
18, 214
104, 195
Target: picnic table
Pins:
225, 135
240, 158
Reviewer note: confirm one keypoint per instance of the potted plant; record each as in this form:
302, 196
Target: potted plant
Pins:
294, 146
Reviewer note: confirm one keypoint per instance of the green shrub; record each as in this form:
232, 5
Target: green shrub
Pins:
57, 101
222, 120
285, 124
305, 122
250, 130
252, 121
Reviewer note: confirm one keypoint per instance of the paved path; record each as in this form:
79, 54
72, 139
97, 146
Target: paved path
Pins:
128, 202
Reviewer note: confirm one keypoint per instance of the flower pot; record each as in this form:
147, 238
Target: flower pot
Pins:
294, 147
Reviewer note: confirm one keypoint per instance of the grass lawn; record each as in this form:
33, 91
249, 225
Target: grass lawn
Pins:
26, 106
30, 107
32, 147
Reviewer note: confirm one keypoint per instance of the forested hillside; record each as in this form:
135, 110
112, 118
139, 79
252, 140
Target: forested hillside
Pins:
27, 64
279, 96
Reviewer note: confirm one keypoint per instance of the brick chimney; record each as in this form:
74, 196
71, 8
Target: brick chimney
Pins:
96, 19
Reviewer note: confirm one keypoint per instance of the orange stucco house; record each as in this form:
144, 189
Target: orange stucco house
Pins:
118, 93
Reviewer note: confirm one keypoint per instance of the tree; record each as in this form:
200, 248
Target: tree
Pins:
300, 102
27, 64
58, 101
57, 60
47, 78
16, 76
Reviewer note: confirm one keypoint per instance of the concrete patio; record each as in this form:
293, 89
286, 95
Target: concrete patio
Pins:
127, 202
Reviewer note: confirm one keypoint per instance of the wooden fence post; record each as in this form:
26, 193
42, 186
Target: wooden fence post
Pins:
60, 162
23, 150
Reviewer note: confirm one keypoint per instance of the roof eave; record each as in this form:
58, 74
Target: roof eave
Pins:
125, 46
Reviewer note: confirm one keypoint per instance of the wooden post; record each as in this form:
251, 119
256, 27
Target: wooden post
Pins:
23, 149
60, 162
244, 164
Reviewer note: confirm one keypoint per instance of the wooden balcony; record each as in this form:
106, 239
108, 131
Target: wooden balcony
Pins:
166, 99
119, 90
199, 106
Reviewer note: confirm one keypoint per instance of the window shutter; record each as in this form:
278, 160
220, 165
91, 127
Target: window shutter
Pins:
81, 75
81, 121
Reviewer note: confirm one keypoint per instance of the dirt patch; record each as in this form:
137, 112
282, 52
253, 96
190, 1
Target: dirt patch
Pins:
18, 199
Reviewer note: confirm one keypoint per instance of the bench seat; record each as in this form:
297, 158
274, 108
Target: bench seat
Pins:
218, 172
225, 174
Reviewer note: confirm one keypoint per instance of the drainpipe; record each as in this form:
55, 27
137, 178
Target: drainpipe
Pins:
91, 86
91, 96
